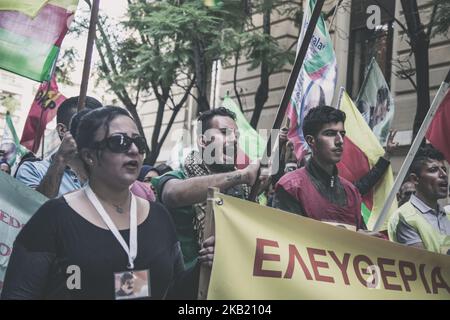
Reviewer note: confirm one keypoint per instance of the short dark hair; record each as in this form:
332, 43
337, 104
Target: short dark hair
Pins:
69, 107
94, 120
206, 117
425, 153
125, 277
318, 117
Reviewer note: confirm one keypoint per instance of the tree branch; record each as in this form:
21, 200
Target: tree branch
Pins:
407, 76
430, 26
236, 58
171, 100
175, 112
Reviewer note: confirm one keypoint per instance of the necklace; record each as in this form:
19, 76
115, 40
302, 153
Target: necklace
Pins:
119, 209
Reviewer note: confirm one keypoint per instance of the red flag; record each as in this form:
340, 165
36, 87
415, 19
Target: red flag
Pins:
439, 131
42, 111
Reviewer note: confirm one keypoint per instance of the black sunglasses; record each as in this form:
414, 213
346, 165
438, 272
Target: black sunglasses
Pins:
121, 143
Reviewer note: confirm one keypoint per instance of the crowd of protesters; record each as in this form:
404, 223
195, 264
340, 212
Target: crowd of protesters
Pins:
123, 222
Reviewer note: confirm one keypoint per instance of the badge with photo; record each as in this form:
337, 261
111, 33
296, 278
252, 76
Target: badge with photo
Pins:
132, 284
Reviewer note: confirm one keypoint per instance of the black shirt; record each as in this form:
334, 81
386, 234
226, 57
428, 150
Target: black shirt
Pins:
57, 237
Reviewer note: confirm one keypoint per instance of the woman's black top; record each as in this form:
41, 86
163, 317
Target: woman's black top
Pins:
57, 240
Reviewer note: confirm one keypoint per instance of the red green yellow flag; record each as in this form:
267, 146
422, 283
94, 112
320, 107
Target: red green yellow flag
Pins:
361, 152
31, 33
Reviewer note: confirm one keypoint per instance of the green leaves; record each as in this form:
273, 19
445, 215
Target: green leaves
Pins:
441, 23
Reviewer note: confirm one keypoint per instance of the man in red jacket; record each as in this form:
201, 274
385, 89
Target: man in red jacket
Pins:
316, 190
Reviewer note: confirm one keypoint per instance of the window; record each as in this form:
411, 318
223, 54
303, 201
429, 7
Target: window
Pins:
366, 43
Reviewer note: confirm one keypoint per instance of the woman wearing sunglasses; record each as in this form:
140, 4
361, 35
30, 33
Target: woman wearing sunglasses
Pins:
80, 246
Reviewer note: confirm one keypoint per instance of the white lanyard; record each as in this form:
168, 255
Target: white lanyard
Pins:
132, 251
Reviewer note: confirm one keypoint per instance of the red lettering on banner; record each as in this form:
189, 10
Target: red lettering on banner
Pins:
5, 250
295, 255
424, 279
364, 268
318, 264
437, 281
343, 266
10, 220
260, 256
412, 276
356, 262
385, 274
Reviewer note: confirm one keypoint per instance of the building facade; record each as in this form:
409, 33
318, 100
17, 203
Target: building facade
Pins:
354, 43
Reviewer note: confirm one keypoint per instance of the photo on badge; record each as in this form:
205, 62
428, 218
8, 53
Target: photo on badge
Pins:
132, 285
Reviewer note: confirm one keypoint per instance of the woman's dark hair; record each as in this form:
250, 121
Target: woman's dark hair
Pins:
94, 120
318, 117
75, 121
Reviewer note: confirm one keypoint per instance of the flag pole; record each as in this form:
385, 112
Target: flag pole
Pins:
366, 78
88, 55
43, 144
210, 230
341, 93
36, 137
413, 150
290, 87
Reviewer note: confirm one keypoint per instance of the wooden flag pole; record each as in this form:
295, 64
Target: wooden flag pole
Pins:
412, 151
88, 55
290, 87
205, 271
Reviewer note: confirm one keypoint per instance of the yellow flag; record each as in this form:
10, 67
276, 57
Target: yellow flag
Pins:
361, 152
265, 253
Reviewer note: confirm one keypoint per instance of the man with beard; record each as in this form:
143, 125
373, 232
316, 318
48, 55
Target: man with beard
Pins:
421, 222
184, 191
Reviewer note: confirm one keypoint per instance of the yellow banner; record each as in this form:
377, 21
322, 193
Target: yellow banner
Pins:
264, 253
